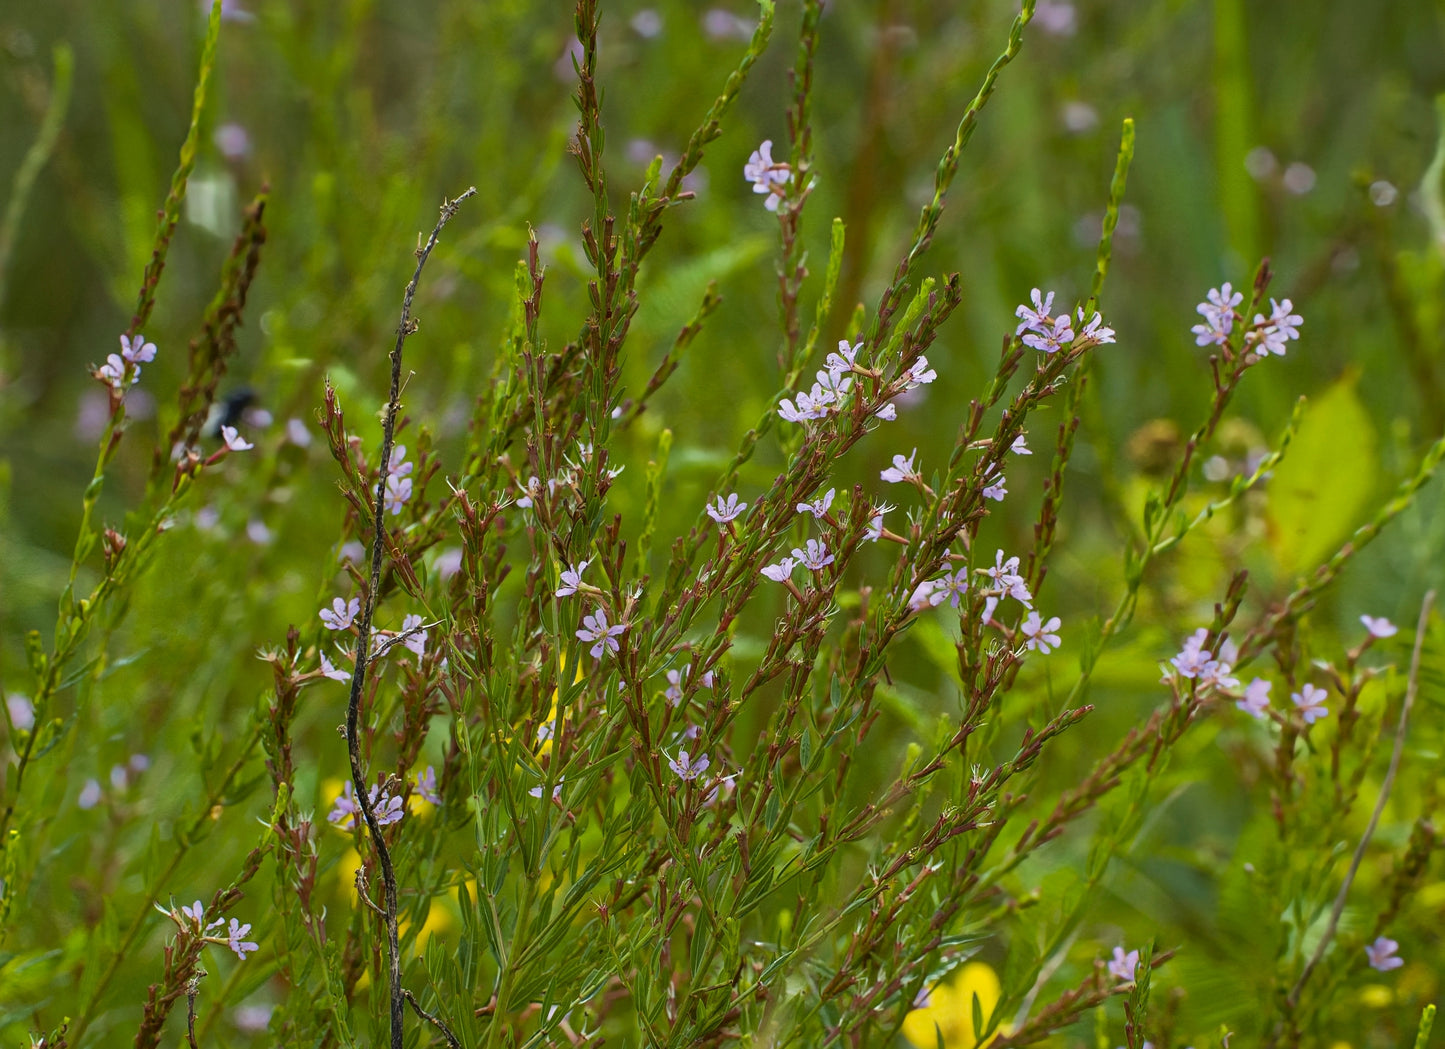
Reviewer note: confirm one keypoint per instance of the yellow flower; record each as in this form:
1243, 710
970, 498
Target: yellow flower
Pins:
949, 1009
548, 728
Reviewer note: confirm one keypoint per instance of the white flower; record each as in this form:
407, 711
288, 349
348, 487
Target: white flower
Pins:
887, 413
767, 175
234, 441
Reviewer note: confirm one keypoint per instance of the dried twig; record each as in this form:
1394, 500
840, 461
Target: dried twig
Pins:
435, 1021
353, 707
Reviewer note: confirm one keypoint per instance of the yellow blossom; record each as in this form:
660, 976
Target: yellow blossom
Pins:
949, 1009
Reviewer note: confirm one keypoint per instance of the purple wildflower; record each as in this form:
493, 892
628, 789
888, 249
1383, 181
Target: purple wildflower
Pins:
1382, 954
596, 628
341, 613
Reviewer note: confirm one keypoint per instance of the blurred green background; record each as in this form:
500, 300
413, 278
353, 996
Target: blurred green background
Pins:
1301, 132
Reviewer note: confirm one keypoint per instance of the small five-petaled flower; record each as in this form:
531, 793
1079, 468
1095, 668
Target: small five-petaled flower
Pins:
1041, 635
815, 557
596, 628
1124, 965
723, 512
818, 507
902, 469
341, 613
686, 768
571, 579
1310, 703
234, 941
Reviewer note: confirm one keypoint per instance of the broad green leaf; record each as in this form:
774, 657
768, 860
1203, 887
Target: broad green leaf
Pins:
1318, 492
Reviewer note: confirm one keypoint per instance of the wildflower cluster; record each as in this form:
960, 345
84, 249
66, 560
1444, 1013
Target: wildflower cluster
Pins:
604, 782
345, 810
1268, 334
193, 920
122, 370
1043, 331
